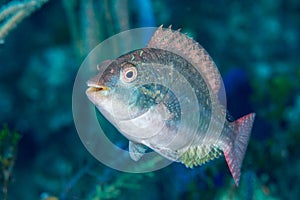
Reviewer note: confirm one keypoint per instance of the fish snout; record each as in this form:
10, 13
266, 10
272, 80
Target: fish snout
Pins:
96, 88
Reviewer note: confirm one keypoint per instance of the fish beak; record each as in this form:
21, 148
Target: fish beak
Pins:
96, 88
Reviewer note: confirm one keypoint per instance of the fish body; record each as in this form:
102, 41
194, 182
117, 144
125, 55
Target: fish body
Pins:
165, 97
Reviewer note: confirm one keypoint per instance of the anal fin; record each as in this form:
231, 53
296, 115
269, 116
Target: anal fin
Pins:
199, 155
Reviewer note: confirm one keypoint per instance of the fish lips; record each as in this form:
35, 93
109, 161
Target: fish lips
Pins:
96, 91
96, 88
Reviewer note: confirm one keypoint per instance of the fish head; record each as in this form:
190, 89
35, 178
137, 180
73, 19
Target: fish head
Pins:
121, 96
109, 90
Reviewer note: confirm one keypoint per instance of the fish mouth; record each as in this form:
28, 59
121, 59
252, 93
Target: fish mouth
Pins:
96, 88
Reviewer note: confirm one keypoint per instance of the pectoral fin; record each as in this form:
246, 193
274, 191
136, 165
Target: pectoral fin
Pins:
136, 150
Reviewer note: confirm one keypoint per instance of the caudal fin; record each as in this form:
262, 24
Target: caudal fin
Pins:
235, 153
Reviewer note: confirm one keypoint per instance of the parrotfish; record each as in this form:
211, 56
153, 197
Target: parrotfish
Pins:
166, 97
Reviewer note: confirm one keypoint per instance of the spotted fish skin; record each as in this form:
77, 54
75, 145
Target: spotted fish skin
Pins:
155, 104
161, 57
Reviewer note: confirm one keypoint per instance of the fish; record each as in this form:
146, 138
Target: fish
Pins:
165, 97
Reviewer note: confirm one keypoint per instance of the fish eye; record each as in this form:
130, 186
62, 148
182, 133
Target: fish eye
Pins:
129, 74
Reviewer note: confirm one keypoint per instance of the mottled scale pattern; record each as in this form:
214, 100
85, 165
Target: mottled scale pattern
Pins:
199, 155
158, 56
202, 90
193, 52
152, 94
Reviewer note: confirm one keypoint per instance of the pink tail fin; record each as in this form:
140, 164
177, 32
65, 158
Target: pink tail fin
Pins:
235, 153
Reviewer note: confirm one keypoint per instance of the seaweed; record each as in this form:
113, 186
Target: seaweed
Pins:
9, 141
14, 12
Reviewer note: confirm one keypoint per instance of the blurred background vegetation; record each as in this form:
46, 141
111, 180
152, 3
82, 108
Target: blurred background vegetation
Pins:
255, 44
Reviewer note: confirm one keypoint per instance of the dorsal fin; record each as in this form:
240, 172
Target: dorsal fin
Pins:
193, 52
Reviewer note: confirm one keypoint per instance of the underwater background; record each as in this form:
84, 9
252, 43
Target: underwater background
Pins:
255, 44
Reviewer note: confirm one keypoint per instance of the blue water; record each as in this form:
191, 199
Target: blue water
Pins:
255, 45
